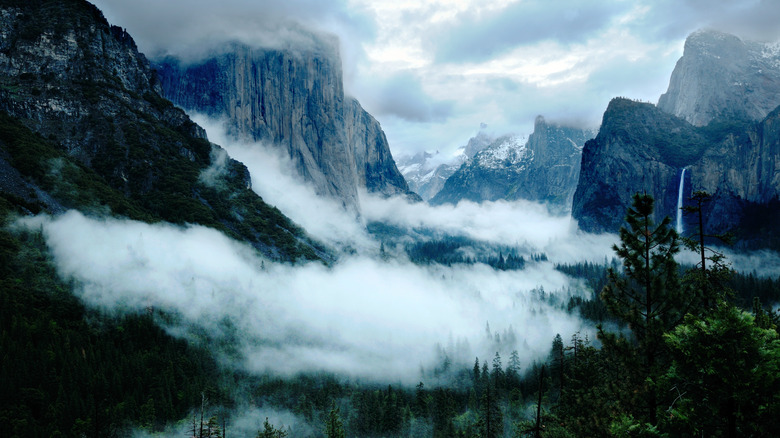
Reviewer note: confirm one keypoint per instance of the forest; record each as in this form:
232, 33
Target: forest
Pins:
697, 353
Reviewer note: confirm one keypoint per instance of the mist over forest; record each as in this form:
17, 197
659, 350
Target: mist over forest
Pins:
209, 225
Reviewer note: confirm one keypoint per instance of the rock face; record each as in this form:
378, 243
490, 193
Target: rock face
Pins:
426, 178
545, 168
632, 153
106, 137
640, 148
721, 76
370, 155
292, 99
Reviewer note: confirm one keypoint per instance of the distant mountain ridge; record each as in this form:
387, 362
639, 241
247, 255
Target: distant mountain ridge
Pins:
719, 120
545, 168
426, 178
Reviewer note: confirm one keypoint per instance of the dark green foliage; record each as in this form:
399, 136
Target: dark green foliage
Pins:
676, 142
453, 250
175, 195
378, 413
648, 296
727, 374
596, 277
715, 373
334, 428
62, 374
269, 431
125, 150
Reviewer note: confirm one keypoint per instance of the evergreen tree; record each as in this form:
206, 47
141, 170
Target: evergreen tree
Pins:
269, 431
513, 370
648, 296
334, 428
498, 373
726, 373
708, 282
491, 419
557, 363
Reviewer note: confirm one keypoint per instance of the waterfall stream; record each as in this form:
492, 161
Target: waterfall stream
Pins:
680, 202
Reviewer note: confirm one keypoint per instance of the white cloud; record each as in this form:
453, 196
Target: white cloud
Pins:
363, 317
275, 179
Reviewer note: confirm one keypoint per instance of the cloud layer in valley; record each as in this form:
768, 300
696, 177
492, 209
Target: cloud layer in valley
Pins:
363, 317
522, 223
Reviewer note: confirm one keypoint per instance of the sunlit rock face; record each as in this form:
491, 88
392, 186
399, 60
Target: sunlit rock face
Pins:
544, 168
722, 76
292, 99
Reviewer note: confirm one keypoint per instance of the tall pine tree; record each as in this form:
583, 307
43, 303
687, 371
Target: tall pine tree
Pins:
647, 294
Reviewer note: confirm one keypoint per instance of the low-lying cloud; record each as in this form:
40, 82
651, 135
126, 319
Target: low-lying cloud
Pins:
363, 317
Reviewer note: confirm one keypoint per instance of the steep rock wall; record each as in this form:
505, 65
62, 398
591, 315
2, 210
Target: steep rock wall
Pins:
293, 100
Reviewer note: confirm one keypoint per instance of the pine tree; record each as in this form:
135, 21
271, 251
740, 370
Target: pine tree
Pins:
648, 296
513, 370
334, 428
708, 282
726, 369
557, 363
498, 373
269, 431
491, 419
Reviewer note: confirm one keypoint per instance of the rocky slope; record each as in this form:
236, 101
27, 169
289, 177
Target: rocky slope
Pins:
722, 76
545, 168
291, 99
640, 148
85, 126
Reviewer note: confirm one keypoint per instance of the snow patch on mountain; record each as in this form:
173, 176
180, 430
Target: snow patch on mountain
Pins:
510, 151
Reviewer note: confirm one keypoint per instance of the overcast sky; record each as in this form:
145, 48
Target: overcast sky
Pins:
432, 71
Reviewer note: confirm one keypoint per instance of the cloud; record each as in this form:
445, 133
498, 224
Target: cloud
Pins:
276, 180
244, 421
192, 28
363, 317
402, 96
479, 37
675, 20
523, 224
430, 71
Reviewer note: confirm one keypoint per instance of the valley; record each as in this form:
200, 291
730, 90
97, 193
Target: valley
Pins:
217, 238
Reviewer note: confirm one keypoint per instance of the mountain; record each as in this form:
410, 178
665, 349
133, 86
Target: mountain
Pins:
641, 148
83, 125
722, 76
425, 173
545, 168
292, 99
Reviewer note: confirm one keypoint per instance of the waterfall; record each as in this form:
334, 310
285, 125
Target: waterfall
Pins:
680, 202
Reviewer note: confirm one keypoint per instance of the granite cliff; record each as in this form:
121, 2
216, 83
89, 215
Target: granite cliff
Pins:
640, 148
721, 76
294, 100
